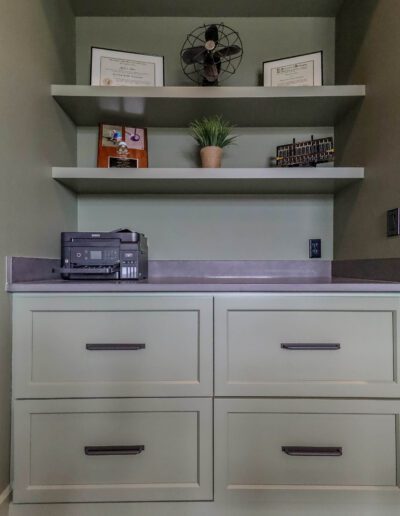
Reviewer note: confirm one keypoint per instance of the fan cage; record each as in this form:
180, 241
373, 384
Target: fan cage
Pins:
228, 64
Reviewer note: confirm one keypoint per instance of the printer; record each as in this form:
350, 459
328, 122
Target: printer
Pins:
118, 255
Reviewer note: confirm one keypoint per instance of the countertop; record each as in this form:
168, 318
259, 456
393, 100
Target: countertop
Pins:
212, 284
43, 275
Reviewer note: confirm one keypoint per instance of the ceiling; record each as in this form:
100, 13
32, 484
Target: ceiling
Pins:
207, 8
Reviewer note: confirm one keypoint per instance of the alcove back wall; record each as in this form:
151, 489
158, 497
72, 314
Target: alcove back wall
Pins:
213, 227
263, 39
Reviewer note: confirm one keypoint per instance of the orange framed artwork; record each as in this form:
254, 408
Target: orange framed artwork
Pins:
122, 147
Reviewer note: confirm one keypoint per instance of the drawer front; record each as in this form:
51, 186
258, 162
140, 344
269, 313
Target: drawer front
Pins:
112, 450
263, 445
306, 346
112, 346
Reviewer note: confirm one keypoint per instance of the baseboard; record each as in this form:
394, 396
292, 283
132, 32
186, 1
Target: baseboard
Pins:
5, 494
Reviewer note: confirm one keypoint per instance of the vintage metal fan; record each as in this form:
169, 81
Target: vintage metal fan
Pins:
211, 54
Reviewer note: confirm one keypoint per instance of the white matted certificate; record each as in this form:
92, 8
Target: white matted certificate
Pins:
305, 70
117, 68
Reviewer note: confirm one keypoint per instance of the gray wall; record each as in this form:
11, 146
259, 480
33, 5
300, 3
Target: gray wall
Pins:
217, 227
254, 147
211, 227
263, 39
36, 49
368, 52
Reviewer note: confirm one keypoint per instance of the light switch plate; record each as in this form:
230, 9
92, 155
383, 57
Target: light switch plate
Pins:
393, 220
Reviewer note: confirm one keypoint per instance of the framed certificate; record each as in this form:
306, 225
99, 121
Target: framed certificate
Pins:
304, 70
118, 68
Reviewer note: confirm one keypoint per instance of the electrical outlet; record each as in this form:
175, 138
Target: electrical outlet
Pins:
315, 248
393, 220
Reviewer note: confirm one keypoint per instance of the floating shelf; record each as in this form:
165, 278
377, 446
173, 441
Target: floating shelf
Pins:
171, 106
323, 180
206, 8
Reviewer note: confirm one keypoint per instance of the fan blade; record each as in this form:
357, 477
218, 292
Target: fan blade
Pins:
194, 55
212, 68
228, 51
211, 73
212, 33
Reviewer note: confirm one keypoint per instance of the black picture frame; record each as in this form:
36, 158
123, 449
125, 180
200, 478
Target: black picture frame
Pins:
125, 52
319, 53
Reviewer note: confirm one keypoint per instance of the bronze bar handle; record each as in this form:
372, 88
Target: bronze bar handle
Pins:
115, 347
311, 347
95, 451
313, 451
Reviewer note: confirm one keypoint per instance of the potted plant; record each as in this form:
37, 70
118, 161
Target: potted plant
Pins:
212, 134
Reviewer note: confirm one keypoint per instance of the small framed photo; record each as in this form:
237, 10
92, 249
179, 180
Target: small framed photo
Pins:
118, 68
304, 70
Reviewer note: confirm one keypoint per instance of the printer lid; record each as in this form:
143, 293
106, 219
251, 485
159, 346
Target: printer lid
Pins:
121, 234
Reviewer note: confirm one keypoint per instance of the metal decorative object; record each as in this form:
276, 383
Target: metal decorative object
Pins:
305, 154
211, 54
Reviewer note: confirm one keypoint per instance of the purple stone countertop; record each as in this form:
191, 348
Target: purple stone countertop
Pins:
42, 275
211, 284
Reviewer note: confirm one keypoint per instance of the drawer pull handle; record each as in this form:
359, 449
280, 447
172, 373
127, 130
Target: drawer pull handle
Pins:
311, 347
313, 451
113, 450
115, 347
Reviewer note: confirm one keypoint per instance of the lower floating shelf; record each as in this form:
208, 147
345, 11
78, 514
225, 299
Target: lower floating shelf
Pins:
324, 180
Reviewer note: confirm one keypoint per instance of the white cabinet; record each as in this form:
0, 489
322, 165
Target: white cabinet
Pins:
264, 445
102, 346
343, 346
114, 401
112, 450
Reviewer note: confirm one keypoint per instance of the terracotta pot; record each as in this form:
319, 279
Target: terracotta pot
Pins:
211, 157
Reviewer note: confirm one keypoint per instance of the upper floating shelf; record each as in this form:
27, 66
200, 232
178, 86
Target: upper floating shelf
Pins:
177, 106
325, 180
206, 8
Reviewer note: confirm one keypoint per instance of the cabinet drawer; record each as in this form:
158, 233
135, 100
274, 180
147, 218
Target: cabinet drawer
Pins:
264, 445
309, 346
77, 346
112, 450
